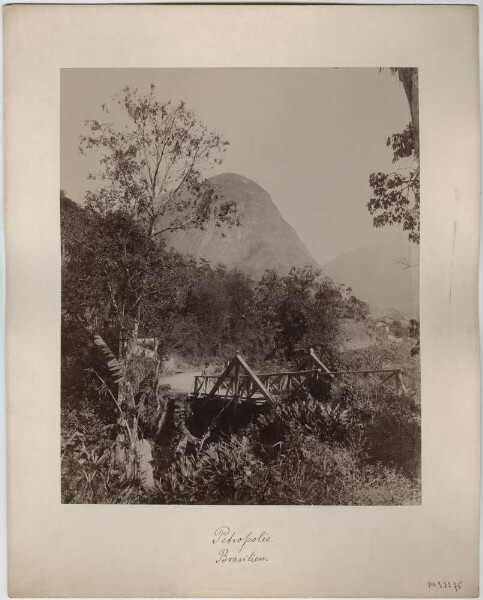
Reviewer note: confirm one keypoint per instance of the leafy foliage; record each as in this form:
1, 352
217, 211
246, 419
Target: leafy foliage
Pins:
115, 368
221, 471
297, 453
355, 444
322, 419
152, 166
113, 277
396, 196
299, 311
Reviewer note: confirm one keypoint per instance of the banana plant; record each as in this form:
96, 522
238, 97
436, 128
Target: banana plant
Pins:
138, 463
116, 369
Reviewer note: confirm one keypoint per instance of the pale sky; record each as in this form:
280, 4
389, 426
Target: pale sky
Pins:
310, 137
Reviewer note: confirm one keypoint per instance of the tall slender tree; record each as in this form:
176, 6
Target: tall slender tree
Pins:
152, 164
153, 158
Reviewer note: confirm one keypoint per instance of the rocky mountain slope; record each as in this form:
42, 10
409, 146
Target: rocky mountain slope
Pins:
264, 240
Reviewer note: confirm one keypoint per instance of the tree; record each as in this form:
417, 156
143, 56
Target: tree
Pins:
152, 164
115, 280
298, 311
357, 309
396, 195
151, 169
409, 78
240, 293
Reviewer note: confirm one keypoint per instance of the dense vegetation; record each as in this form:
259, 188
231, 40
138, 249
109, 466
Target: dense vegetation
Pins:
129, 303
113, 279
125, 438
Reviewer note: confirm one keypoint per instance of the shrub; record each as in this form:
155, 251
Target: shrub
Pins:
350, 443
393, 435
327, 421
308, 471
220, 473
283, 458
90, 474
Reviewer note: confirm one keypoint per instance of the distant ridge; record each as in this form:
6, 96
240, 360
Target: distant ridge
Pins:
376, 275
264, 240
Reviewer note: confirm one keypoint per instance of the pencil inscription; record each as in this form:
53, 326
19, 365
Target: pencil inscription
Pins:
446, 585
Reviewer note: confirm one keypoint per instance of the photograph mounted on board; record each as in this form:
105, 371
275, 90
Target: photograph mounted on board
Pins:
240, 286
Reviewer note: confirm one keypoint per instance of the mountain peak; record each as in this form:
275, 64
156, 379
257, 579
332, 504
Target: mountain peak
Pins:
242, 190
263, 240
232, 177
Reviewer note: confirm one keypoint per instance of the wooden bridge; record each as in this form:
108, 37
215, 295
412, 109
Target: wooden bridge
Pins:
239, 381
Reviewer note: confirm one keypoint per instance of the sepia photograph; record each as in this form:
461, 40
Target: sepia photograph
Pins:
240, 286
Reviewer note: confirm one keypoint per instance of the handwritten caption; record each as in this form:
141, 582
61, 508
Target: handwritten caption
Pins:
235, 548
446, 585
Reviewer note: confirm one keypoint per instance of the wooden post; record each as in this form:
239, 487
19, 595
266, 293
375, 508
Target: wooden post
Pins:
196, 390
319, 363
249, 390
402, 386
265, 393
225, 373
237, 378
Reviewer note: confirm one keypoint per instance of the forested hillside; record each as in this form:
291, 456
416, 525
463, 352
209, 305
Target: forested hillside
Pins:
115, 412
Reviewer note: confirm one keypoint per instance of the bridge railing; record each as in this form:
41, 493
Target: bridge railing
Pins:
239, 381
275, 383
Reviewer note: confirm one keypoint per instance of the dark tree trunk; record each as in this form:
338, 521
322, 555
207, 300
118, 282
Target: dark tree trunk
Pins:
409, 78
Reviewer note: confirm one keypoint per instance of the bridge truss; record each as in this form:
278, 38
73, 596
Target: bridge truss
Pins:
239, 381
